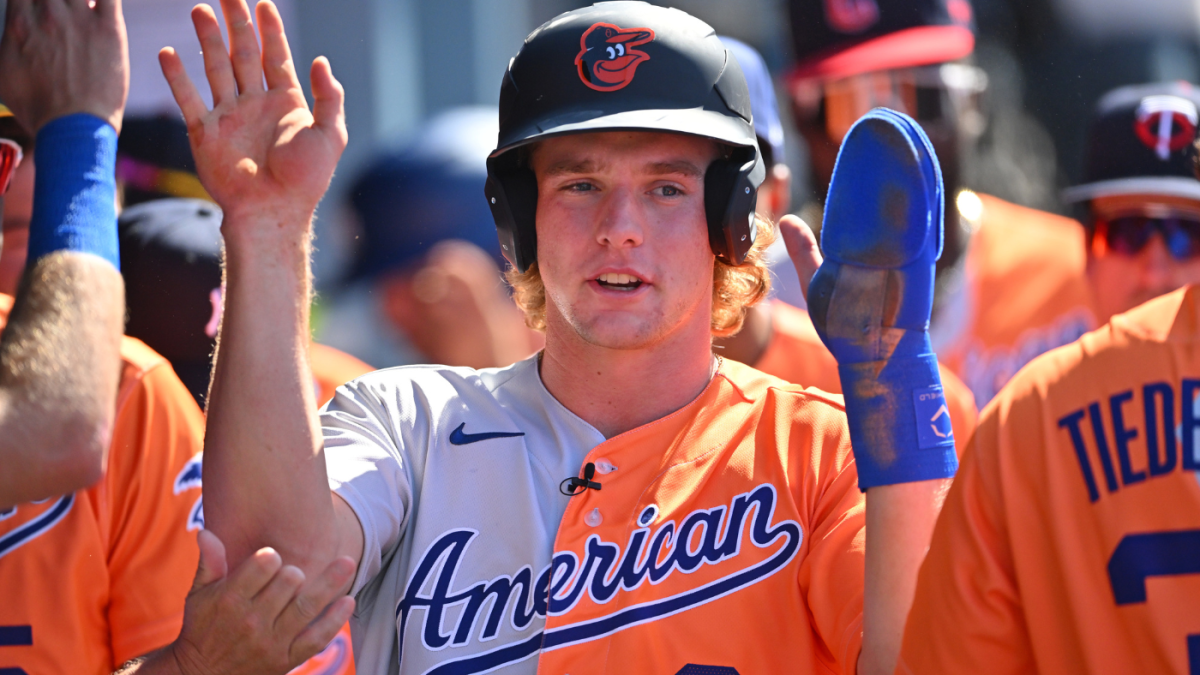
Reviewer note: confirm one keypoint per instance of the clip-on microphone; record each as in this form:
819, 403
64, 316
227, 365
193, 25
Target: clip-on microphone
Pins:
569, 486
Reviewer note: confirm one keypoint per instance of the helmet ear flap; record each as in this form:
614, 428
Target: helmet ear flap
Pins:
511, 191
730, 197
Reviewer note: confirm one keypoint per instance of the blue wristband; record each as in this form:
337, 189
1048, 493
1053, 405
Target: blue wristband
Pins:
899, 423
74, 196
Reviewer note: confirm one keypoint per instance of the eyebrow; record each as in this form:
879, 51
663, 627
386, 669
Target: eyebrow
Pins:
575, 167
678, 167
572, 167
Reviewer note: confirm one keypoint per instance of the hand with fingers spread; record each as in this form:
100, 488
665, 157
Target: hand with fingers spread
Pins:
259, 152
61, 57
262, 618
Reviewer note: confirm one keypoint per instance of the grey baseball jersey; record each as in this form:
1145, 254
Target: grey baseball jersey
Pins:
694, 554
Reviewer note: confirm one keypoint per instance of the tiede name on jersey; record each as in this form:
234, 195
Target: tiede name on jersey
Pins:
705, 536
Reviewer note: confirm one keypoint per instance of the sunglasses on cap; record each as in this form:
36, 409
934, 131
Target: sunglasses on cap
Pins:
10, 159
1129, 235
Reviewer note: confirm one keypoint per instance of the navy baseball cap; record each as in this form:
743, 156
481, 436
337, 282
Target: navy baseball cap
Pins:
839, 38
763, 106
429, 191
1141, 142
171, 263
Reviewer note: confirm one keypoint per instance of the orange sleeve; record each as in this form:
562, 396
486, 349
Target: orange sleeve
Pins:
152, 549
831, 576
967, 615
961, 404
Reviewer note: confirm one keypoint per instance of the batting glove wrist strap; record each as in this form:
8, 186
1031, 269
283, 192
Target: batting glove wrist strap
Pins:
899, 424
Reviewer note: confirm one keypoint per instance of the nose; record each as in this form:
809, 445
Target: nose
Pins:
622, 220
1157, 266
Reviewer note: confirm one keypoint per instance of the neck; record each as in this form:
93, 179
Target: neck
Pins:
616, 390
750, 343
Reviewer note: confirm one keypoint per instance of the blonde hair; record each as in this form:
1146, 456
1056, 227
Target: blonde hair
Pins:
735, 287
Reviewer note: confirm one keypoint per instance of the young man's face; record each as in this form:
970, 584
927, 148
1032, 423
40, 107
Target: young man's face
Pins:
622, 238
1130, 261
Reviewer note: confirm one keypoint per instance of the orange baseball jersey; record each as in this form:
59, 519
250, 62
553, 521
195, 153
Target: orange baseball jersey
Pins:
1070, 541
726, 537
796, 354
92, 579
1022, 293
331, 368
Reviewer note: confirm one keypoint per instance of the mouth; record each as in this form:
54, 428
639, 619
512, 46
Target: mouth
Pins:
619, 282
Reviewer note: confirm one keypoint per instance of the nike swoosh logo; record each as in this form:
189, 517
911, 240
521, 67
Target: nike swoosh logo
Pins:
458, 437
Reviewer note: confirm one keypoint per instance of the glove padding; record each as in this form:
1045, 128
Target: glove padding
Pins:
871, 299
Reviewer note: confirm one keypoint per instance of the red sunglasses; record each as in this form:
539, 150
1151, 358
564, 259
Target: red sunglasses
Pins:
10, 159
1128, 235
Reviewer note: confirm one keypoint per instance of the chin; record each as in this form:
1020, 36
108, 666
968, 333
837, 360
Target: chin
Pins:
618, 333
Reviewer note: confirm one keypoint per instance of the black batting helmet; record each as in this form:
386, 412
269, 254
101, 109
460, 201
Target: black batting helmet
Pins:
626, 66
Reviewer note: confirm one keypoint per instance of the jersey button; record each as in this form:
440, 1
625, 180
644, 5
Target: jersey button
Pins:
593, 518
604, 466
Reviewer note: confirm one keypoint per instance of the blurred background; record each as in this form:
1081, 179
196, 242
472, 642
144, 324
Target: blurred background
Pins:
404, 62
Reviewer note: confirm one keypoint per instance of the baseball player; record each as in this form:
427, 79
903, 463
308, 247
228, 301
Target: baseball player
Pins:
1070, 540
1140, 200
1072, 531
1011, 284
95, 551
776, 337
425, 285
623, 501
58, 363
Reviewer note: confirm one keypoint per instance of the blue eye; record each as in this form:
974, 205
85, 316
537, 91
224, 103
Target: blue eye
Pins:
670, 191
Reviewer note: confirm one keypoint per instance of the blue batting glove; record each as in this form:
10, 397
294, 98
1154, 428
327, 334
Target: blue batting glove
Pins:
871, 299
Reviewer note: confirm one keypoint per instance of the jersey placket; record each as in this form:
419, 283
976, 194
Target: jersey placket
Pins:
639, 461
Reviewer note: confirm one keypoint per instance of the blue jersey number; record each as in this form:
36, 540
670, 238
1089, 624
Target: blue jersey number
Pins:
15, 636
1141, 556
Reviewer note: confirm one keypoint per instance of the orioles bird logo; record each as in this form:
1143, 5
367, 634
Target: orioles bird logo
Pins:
607, 58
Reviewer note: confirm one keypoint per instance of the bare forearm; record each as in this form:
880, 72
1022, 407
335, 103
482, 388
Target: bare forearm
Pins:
60, 365
264, 471
900, 520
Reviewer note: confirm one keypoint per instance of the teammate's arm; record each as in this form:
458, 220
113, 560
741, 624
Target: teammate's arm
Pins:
66, 73
267, 161
900, 518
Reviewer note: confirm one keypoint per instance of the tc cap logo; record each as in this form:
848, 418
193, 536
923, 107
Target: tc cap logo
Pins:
1165, 124
607, 59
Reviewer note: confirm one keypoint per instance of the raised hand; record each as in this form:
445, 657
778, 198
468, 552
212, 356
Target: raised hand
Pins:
61, 57
259, 152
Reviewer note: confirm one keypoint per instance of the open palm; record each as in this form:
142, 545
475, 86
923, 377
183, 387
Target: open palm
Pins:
259, 152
